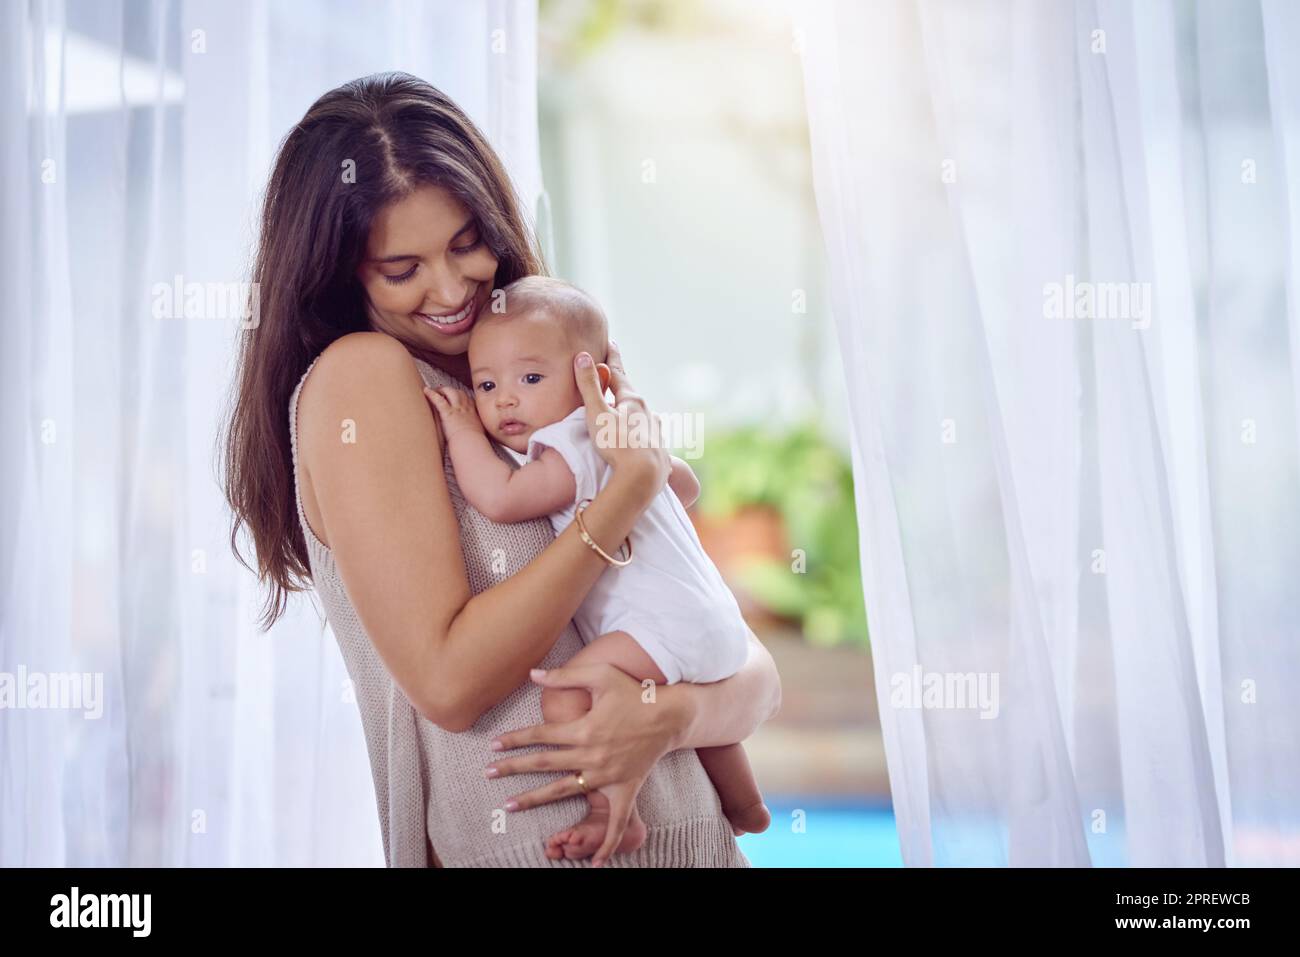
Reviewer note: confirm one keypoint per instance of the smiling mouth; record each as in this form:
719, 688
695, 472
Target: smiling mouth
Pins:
454, 321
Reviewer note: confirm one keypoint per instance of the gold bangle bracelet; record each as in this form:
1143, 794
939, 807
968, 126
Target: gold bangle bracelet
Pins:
582, 530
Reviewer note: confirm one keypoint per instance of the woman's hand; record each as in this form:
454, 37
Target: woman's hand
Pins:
627, 435
614, 745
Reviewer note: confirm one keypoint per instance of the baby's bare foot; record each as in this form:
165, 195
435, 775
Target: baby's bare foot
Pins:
752, 820
585, 838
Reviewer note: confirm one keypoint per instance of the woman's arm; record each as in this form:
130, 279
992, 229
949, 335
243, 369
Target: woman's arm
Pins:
726, 711
617, 743
619, 740
386, 514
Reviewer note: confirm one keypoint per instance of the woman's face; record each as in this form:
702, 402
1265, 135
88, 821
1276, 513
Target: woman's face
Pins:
427, 272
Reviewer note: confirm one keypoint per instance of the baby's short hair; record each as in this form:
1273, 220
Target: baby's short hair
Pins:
583, 320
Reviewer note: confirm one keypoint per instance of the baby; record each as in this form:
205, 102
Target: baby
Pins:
667, 616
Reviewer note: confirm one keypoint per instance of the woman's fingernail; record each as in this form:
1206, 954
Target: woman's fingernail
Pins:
584, 360
492, 772
512, 805
537, 673
496, 745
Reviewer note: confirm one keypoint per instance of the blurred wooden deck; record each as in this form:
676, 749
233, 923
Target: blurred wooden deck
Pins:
825, 740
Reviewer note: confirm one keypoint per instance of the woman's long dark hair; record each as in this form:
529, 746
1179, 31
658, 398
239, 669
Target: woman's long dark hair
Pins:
359, 148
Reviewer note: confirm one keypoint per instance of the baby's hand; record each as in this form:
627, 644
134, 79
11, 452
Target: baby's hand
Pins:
455, 410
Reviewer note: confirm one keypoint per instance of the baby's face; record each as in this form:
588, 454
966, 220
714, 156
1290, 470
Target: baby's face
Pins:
522, 371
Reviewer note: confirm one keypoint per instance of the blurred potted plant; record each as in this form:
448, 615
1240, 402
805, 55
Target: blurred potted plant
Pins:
776, 513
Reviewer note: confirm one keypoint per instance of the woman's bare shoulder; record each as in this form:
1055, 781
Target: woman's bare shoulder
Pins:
361, 367
362, 374
355, 360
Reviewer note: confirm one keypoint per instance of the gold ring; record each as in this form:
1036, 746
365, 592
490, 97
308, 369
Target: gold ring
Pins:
582, 783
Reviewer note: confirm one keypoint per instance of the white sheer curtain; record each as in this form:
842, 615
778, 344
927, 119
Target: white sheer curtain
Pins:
137, 136
1096, 507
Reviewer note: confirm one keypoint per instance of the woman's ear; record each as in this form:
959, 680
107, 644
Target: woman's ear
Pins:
602, 370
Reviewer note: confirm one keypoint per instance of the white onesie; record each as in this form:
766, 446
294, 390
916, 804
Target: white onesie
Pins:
671, 599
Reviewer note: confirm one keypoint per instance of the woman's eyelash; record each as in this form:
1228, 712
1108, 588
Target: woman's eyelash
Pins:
457, 250
397, 280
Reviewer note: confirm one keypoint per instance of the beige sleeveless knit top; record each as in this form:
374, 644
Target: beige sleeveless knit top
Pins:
430, 783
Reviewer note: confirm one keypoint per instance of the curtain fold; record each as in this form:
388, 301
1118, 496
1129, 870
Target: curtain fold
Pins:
1062, 242
139, 134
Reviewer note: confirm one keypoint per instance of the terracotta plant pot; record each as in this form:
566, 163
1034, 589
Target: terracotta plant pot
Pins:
752, 531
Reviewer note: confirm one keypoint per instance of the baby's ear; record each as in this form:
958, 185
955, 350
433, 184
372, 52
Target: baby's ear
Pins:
602, 370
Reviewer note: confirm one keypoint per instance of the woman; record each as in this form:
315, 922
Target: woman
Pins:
388, 221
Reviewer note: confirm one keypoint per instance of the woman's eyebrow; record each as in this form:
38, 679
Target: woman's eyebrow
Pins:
405, 256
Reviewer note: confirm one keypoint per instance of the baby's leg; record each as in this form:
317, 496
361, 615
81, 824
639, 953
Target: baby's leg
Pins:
733, 778
617, 648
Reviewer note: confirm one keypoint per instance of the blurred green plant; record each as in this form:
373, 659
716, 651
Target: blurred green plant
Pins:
808, 481
577, 28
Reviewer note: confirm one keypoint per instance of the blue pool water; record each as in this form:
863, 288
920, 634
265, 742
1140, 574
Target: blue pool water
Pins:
829, 832
824, 832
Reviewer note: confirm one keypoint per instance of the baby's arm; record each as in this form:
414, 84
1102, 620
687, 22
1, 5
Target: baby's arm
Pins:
683, 482
500, 493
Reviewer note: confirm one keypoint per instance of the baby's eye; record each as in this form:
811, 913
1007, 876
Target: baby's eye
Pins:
532, 378
487, 385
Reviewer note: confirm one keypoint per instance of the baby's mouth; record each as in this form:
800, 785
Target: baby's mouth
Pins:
511, 427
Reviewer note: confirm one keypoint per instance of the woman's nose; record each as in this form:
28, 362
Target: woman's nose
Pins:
447, 290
